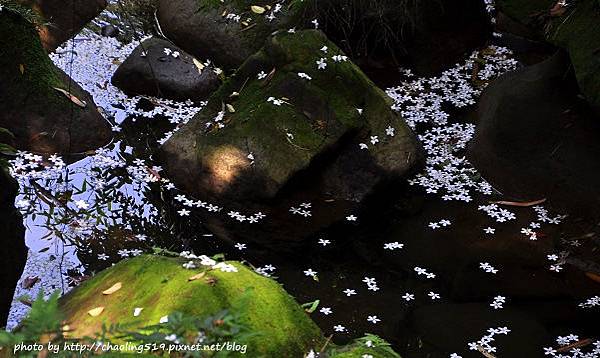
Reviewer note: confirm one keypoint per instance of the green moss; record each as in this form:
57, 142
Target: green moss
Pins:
160, 285
576, 31
26, 68
316, 112
369, 345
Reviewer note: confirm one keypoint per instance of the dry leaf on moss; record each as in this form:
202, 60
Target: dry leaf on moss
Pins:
257, 9
95, 312
196, 277
114, 288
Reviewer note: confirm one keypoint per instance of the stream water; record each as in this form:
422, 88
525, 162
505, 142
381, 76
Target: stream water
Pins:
431, 253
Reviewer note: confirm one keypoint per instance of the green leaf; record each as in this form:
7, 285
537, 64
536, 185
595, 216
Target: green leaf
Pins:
310, 307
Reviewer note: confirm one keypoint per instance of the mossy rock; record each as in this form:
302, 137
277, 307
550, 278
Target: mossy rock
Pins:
576, 31
306, 148
42, 118
201, 28
160, 286
368, 346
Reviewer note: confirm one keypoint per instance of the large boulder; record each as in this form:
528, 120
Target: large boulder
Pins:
429, 35
12, 236
35, 104
63, 19
209, 29
277, 325
535, 139
158, 68
268, 144
573, 28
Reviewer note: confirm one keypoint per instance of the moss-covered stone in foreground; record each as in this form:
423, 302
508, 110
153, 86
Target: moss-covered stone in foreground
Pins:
369, 346
160, 286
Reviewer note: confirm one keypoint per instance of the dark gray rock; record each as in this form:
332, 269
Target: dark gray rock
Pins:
12, 237
149, 70
109, 31
200, 28
535, 139
64, 18
429, 35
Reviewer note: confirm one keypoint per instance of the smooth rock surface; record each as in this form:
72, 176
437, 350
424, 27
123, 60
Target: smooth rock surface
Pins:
158, 68
535, 139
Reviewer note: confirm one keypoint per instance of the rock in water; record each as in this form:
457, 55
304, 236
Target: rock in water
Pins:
109, 31
34, 97
161, 287
64, 18
158, 68
536, 140
573, 28
428, 35
209, 29
12, 235
282, 132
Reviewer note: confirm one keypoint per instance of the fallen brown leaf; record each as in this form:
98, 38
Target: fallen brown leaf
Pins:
257, 9
592, 276
558, 9
211, 281
73, 99
25, 301
519, 203
30, 281
578, 344
199, 65
114, 288
197, 276
95, 312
